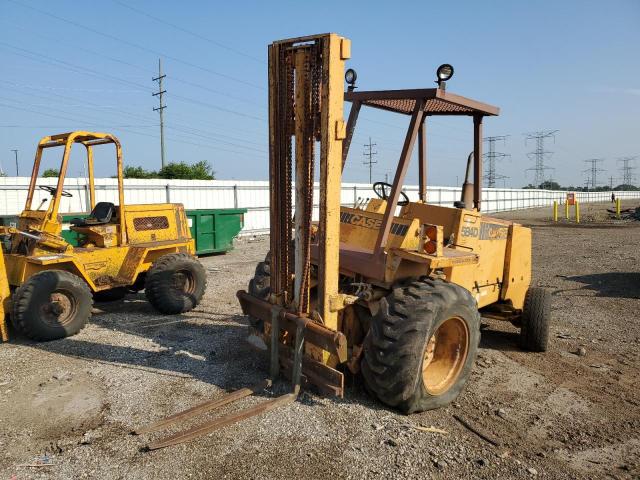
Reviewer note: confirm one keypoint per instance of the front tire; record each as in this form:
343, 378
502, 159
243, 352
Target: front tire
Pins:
260, 287
175, 283
51, 304
536, 316
421, 345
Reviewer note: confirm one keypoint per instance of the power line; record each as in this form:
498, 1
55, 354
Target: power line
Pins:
195, 34
491, 156
137, 67
75, 120
135, 45
369, 155
540, 154
100, 75
160, 108
593, 171
628, 168
175, 126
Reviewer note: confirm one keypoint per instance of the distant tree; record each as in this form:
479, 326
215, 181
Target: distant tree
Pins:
626, 187
198, 171
550, 185
50, 173
530, 186
138, 172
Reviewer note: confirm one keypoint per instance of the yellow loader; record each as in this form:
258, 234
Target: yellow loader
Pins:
392, 288
48, 285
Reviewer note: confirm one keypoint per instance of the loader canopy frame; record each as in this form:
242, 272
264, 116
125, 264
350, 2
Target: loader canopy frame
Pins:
66, 140
418, 104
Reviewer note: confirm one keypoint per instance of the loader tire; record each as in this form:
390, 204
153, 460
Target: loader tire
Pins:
536, 315
111, 295
422, 344
51, 304
175, 283
260, 287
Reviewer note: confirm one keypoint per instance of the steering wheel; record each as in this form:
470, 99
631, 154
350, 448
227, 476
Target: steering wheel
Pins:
53, 190
383, 190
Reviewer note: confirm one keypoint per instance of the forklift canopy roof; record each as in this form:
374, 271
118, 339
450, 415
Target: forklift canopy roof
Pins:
438, 102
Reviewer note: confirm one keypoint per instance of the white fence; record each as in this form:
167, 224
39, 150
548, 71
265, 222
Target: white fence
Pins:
254, 196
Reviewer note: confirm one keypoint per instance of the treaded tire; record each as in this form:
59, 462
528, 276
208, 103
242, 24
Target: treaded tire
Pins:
162, 289
395, 347
34, 297
260, 287
111, 295
536, 315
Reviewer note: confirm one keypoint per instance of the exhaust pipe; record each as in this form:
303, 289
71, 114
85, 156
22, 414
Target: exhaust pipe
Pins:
466, 198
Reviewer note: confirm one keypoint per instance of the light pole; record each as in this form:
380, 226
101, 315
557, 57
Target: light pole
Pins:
15, 151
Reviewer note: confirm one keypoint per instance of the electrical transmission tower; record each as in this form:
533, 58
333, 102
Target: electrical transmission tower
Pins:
160, 109
540, 154
593, 171
628, 167
369, 153
491, 156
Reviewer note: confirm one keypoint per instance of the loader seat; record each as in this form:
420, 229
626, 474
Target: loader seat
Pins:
101, 214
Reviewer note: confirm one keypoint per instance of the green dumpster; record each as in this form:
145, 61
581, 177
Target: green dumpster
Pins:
212, 229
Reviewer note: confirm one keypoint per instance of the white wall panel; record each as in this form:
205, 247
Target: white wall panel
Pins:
254, 195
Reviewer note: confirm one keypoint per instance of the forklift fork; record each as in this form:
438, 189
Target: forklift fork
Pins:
231, 418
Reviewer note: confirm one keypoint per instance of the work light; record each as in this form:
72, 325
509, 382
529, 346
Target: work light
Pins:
350, 77
444, 73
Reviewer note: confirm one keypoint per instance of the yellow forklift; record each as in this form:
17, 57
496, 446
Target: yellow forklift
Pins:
392, 289
47, 284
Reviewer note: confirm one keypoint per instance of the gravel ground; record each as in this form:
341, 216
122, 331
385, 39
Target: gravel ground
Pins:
573, 412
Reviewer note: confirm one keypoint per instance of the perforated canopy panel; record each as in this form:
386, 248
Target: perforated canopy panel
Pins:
438, 102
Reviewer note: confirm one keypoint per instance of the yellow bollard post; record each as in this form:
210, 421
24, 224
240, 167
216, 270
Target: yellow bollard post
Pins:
555, 211
577, 212
566, 209
618, 208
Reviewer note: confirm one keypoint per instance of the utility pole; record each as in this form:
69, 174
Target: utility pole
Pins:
161, 106
491, 156
628, 167
593, 170
611, 183
15, 151
369, 153
539, 155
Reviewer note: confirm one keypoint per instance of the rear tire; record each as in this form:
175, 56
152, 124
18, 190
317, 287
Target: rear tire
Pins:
536, 316
175, 283
51, 304
421, 345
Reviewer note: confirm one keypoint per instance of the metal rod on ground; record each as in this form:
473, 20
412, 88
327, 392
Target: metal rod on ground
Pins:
618, 208
577, 211
555, 210
566, 209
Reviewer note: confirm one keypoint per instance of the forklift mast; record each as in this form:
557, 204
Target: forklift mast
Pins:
306, 97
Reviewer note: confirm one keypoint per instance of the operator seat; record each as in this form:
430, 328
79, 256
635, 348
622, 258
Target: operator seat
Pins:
101, 214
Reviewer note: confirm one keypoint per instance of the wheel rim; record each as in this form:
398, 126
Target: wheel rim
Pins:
445, 355
60, 309
183, 281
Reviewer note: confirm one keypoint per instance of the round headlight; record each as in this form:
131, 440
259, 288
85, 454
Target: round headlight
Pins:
444, 72
350, 76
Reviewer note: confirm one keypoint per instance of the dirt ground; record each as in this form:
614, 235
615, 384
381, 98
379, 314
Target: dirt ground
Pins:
556, 415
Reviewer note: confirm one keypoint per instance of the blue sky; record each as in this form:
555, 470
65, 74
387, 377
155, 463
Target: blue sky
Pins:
572, 66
